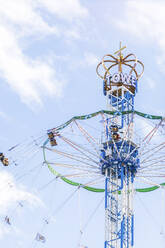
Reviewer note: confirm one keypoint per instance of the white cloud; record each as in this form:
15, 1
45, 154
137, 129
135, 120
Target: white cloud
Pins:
66, 9
88, 59
74, 34
10, 193
23, 14
31, 78
151, 84
91, 59
3, 115
144, 19
140, 16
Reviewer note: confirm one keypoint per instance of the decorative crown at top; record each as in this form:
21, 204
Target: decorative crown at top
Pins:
128, 72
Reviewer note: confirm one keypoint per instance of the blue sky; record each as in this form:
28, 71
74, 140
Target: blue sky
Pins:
49, 51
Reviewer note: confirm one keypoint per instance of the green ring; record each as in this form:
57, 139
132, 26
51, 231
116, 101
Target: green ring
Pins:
84, 117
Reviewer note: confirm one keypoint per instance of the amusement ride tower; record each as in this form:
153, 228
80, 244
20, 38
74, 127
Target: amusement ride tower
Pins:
119, 153
115, 152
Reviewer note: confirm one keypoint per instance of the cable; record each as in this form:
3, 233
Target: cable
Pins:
148, 212
60, 207
88, 220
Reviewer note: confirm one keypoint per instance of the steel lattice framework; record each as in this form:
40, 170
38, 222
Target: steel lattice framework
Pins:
120, 154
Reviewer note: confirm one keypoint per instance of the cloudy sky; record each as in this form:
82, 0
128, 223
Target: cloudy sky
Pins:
49, 50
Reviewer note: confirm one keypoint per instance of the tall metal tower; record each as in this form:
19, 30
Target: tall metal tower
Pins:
119, 154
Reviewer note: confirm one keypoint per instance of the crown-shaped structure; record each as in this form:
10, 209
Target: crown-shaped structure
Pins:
129, 70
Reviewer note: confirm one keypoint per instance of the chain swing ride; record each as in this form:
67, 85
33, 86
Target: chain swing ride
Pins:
124, 149
117, 152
